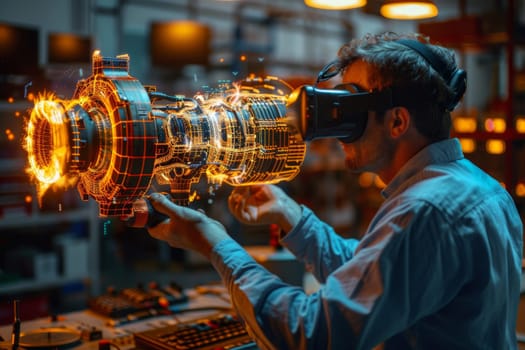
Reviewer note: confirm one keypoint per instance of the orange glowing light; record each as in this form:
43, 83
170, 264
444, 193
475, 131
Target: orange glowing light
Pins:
10, 100
9, 134
192, 197
465, 124
47, 143
378, 182
366, 179
495, 146
243, 58
28, 199
408, 10
520, 189
468, 145
497, 125
520, 124
335, 4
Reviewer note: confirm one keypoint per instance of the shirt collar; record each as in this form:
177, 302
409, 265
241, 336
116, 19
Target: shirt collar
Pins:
438, 152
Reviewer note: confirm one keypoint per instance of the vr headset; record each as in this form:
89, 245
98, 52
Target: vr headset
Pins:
342, 112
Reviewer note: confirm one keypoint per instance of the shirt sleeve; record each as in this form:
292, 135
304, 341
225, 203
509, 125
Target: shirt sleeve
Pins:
318, 246
382, 290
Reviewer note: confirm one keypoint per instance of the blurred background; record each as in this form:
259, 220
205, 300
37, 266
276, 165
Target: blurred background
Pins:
57, 253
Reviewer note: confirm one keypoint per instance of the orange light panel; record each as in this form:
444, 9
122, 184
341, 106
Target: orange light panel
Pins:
520, 189
520, 124
468, 145
465, 124
496, 125
495, 146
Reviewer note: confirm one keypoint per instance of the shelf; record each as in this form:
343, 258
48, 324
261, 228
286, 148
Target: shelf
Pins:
17, 105
13, 165
86, 212
21, 218
38, 219
32, 285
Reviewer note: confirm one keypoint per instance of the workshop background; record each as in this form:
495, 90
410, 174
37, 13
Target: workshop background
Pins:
56, 254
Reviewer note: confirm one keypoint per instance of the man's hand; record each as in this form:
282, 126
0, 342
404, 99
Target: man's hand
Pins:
186, 228
264, 204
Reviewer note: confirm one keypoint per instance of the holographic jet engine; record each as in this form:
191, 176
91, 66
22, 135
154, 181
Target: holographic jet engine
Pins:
115, 135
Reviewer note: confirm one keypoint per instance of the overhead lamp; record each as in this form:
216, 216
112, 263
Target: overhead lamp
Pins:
408, 9
335, 4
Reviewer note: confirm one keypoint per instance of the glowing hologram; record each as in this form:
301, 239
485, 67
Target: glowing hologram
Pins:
115, 135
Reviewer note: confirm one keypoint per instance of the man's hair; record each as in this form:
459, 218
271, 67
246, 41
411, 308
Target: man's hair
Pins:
415, 84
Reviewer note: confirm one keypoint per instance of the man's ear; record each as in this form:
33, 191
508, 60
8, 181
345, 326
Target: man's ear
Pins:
399, 122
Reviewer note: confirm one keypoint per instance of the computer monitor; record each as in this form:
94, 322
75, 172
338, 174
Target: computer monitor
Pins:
19, 48
68, 48
179, 43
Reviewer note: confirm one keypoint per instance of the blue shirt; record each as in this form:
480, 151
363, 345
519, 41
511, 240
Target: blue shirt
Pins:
439, 267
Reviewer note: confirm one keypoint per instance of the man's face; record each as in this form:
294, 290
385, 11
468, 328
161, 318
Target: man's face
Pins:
373, 150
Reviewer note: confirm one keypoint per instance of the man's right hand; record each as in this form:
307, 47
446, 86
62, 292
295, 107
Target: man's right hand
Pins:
264, 204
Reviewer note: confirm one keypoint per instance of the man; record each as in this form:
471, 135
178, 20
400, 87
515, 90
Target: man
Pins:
439, 265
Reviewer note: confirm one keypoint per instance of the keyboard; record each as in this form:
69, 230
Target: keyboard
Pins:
222, 331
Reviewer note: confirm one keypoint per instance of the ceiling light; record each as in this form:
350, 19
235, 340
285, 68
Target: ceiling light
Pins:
406, 9
335, 4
